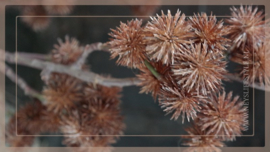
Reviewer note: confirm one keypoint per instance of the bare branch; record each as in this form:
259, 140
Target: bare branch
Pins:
20, 82
86, 76
88, 50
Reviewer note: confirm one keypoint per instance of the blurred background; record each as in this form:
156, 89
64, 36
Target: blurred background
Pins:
142, 115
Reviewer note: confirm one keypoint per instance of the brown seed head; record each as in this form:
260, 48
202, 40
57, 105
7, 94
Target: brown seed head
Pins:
66, 52
200, 69
62, 92
126, 43
180, 103
224, 117
13, 139
165, 35
198, 141
149, 82
35, 22
89, 125
208, 30
247, 26
101, 92
254, 63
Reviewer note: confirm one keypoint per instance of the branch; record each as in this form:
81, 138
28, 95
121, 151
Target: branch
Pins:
86, 76
35, 56
20, 82
255, 85
87, 50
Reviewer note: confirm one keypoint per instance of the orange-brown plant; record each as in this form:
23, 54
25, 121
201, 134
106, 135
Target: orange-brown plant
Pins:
66, 52
126, 43
165, 36
224, 116
208, 30
247, 26
200, 69
62, 92
199, 141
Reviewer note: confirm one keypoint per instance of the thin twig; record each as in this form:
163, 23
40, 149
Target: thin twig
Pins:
255, 85
20, 82
44, 57
87, 50
86, 76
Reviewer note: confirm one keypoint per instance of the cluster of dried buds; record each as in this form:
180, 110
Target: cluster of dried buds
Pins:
87, 114
182, 62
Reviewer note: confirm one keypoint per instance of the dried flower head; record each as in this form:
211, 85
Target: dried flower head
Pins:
61, 7
104, 116
208, 30
247, 25
180, 102
12, 132
62, 91
199, 141
224, 117
66, 52
32, 18
101, 92
254, 63
90, 124
200, 69
29, 117
150, 82
126, 43
164, 36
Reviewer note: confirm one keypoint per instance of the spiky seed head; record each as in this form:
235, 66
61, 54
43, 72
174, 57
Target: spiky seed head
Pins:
208, 30
60, 7
224, 116
104, 116
62, 91
35, 22
83, 126
101, 92
12, 132
180, 103
200, 69
67, 52
165, 35
149, 82
126, 43
199, 141
247, 25
254, 63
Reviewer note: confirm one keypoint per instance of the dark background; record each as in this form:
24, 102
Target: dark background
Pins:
142, 115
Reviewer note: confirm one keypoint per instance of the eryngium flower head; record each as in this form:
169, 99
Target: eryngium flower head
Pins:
36, 23
151, 83
208, 30
246, 25
224, 117
254, 63
66, 52
126, 43
164, 36
62, 92
180, 102
199, 141
200, 69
